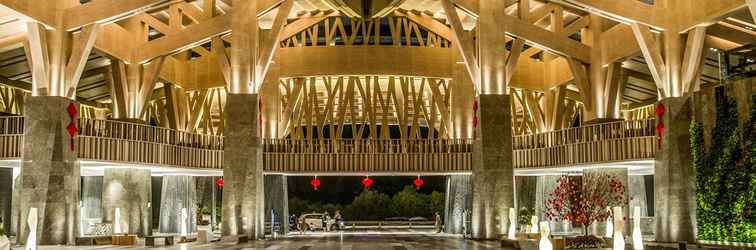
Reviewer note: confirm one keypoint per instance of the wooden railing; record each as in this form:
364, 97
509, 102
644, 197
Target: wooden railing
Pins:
115, 141
600, 143
11, 136
586, 134
364, 155
146, 133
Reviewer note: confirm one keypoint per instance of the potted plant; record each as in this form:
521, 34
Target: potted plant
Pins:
4, 242
582, 201
523, 218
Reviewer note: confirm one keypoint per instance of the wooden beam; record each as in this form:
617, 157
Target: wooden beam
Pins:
514, 56
555, 42
81, 48
752, 7
691, 64
653, 56
462, 42
429, 23
580, 75
301, 24
105, 11
188, 37
40, 60
42, 11
271, 43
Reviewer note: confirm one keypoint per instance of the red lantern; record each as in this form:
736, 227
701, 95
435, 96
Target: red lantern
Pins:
219, 182
660, 129
315, 183
367, 182
418, 182
660, 109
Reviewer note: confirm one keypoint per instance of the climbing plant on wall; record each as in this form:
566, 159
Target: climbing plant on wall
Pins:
726, 175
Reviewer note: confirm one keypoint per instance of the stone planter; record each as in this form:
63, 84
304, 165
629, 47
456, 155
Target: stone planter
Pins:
4, 243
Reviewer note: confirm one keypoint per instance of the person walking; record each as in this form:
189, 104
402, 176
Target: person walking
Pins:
438, 224
338, 219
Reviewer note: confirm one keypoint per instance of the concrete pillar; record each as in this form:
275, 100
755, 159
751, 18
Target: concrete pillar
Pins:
6, 192
458, 203
674, 176
50, 173
277, 199
178, 192
242, 168
91, 197
493, 175
130, 190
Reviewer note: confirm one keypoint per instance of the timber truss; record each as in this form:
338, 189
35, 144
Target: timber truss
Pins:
172, 62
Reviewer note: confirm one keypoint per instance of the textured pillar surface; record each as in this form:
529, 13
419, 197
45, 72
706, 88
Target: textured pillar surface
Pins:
277, 199
242, 168
458, 203
130, 190
178, 192
6, 192
50, 174
493, 175
91, 197
674, 176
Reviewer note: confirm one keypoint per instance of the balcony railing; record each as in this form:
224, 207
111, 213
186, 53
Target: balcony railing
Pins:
364, 156
11, 136
115, 141
600, 143
586, 134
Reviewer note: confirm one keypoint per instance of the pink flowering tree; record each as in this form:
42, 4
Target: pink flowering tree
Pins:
582, 201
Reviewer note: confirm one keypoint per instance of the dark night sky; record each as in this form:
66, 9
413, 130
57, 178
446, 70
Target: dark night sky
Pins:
343, 189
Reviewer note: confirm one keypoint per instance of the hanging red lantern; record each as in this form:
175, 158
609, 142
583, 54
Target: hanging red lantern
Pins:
315, 183
660, 129
418, 182
660, 109
219, 182
367, 182
660, 122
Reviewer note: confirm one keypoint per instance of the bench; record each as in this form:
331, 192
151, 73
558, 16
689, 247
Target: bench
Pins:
150, 240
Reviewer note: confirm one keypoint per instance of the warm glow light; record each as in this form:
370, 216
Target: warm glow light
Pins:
117, 221
609, 228
637, 236
545, 243
31, 239
619, 238
512, 224
534, 224
184, 226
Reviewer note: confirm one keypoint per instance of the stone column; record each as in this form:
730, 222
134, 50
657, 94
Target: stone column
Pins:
50, 176
242, 168
6, 192
91, 196
129, 190
458, 203
674, 176
493, 174
277, 198
178, 192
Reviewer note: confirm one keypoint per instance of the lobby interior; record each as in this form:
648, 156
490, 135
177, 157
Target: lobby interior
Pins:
553, 124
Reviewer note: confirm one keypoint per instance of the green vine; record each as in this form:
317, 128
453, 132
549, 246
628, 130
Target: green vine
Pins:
726, 176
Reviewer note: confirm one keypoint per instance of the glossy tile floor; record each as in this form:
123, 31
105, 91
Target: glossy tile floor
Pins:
363, 241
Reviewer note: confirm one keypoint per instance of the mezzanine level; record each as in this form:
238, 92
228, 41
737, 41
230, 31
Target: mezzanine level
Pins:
130, 143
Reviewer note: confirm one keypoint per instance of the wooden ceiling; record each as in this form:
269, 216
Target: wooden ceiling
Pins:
729, 30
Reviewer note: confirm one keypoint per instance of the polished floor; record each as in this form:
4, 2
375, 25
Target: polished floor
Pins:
367, 241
